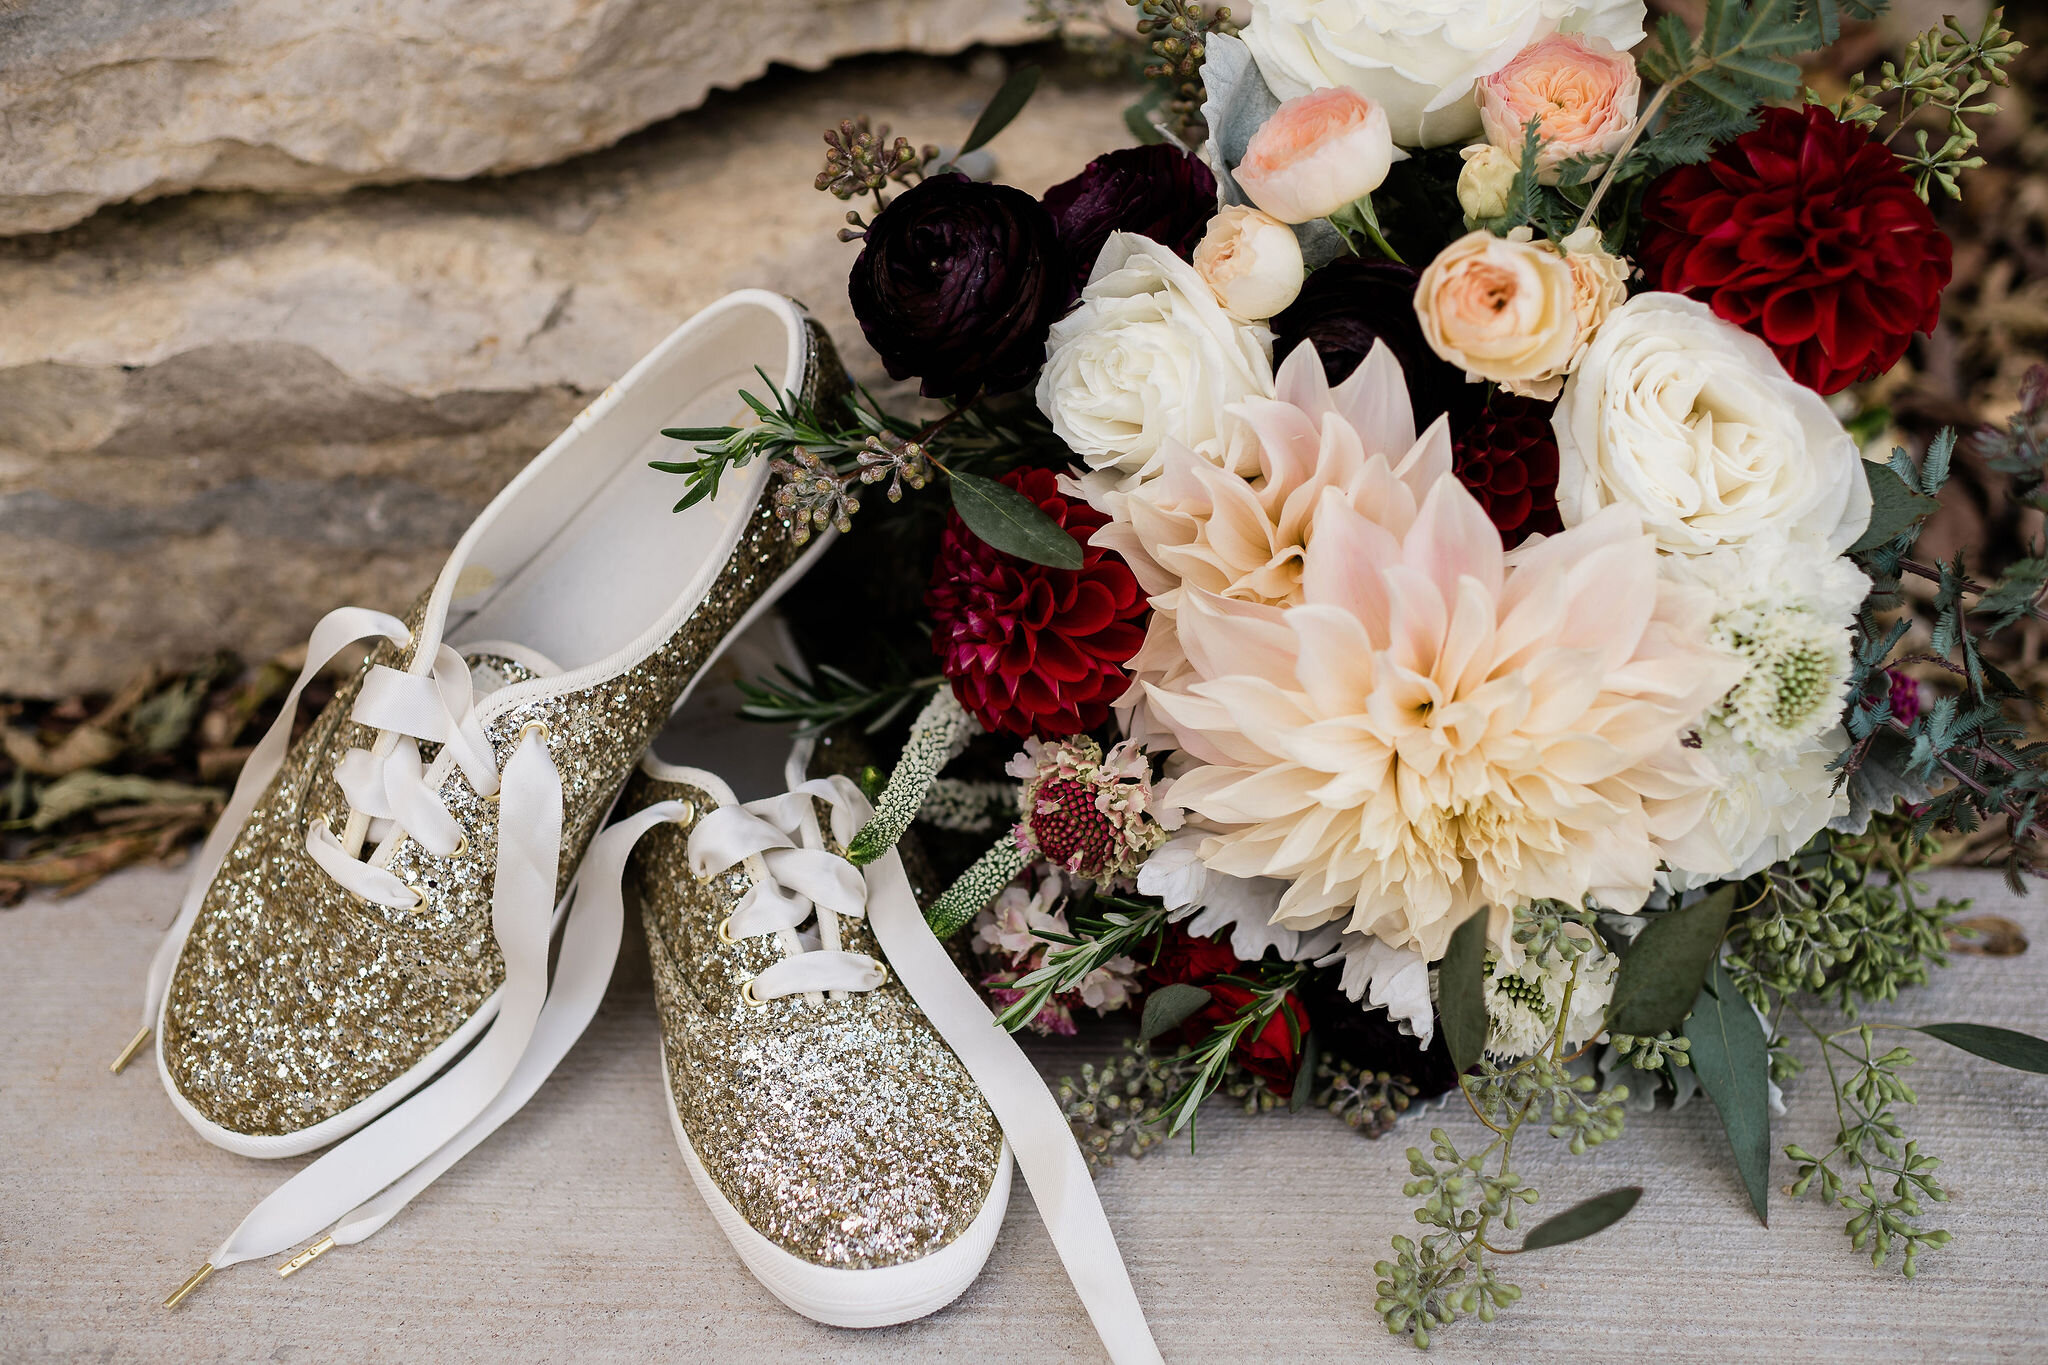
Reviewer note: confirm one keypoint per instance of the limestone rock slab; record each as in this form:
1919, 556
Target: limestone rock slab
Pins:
223, 414
110, 100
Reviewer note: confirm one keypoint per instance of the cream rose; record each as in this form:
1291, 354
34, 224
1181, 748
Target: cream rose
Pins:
1418, 58
1581, 91
1316, 154
1149, 354
1252, 260
1694, 424
1484, 183
1502, 308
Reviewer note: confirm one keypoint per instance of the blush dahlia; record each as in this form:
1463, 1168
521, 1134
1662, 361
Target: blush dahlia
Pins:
1031, 649
1807, 233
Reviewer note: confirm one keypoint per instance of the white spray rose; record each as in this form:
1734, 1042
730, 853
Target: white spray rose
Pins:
1148, 355
1692, 423
1252, 260
1419, 58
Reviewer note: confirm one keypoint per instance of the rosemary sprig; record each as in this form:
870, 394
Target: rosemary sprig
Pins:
1125, 930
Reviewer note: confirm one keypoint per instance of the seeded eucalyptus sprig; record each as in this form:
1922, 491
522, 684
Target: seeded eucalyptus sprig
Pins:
1945, 69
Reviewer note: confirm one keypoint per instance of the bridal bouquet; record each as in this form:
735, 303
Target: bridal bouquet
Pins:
1416, 593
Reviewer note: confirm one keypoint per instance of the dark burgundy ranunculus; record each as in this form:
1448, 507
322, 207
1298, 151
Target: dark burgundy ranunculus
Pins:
1508, 458
1159, 192
1806, 232
957, 284
1032, 650
1348, 305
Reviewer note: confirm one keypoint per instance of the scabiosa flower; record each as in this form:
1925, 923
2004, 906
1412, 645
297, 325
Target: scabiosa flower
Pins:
1905, 695
1031, 649
1523, 1000
1508, 458
1807, 233
1086, 811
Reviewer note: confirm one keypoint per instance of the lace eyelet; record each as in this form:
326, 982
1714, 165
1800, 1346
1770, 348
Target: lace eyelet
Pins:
545, 733
885, 973
686, 812
747, 995
725, 931
461, 846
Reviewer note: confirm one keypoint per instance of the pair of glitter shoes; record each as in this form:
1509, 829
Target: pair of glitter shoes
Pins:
362, 960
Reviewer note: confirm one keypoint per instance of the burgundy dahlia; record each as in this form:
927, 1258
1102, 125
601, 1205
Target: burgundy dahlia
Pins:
1807, 233
957, 283
1033, 650
1508, 458
1158, 191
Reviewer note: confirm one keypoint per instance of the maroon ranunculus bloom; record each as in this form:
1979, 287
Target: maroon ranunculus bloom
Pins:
1508, 458
1348, 305
1033, 650
956, 285
1807, 233
1158, 191
1183, 958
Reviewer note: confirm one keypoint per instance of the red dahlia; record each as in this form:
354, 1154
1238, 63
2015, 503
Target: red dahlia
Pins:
1508, 458
1807, 233
1034, 650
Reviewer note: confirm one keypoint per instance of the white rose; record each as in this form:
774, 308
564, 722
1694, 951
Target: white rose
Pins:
1148, 355
1694, 424
1419, 58
1252, 260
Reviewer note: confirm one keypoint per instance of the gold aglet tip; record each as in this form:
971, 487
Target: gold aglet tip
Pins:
306, 1257
179, 1294
128, 1052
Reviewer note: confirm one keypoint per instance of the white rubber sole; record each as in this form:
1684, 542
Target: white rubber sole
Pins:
366, 1110
876, 1297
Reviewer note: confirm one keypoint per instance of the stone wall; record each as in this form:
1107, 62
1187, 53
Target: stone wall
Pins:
222, 414
112, 100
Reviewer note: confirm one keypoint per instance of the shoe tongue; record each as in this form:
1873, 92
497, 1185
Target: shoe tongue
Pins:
495, 664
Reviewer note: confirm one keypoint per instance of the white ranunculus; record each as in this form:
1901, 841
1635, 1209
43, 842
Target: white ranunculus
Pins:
1418, 58
1149, 355
1692, 423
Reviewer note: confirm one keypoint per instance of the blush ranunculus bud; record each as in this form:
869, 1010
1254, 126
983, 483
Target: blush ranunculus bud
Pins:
1581, 91
1317, 154
1484, 183
1504, 309
1252, 260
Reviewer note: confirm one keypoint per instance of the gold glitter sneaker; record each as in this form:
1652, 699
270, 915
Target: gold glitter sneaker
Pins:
375, 908
843, 1100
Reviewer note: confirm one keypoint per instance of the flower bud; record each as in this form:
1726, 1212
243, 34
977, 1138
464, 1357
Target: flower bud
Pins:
1252, 260
1484, 183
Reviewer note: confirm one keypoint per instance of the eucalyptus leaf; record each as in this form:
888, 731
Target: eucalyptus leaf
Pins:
1661, 974
1731, 1058
1013, 523
1169, 1007
1007, 104
1582, 1220
1461, 992
1894, 508
2007, 1047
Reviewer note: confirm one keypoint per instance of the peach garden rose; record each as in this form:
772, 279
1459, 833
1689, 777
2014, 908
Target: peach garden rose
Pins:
1316, 154
1582, 92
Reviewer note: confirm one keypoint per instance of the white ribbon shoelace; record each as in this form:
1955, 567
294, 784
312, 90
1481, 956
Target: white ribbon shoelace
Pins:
388, 788
782, 832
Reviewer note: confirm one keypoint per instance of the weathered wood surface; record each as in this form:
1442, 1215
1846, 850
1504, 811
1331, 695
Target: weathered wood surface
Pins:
575, 1234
